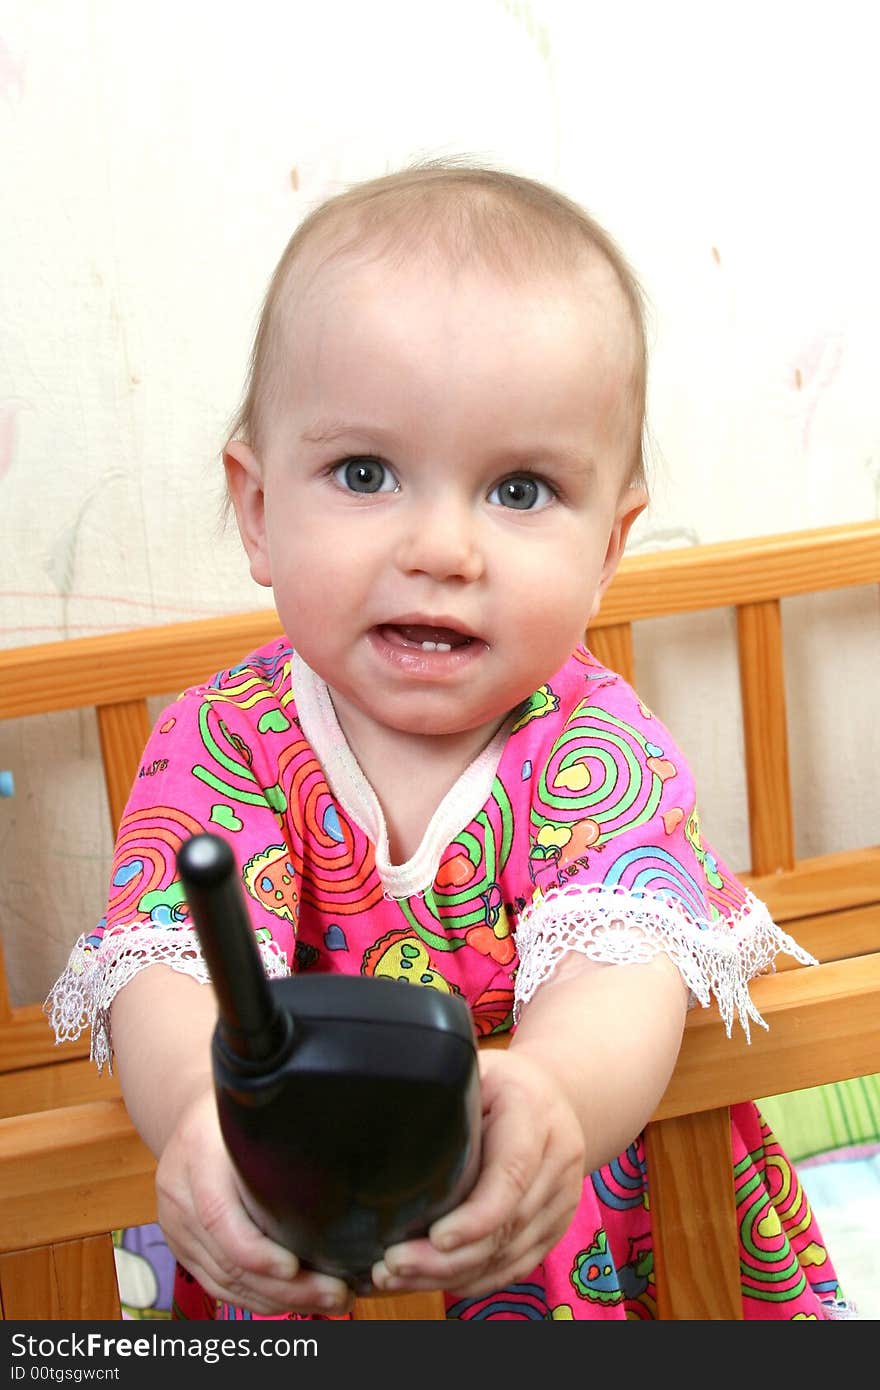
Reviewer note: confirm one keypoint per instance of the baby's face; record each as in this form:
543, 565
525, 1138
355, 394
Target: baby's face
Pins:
441, 495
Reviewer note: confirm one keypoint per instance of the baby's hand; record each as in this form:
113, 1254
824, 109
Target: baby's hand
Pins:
524, 1199
209, 1231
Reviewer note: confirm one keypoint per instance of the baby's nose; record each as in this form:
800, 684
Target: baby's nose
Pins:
441, 541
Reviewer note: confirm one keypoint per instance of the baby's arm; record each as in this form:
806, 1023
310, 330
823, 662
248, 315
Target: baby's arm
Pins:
610, 1035
590, 1059
162, 1024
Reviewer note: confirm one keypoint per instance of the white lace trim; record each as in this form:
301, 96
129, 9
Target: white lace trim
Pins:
346, 779
82, 994
616, 926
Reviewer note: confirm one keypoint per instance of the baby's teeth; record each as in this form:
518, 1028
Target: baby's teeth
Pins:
429, 646
436, 646
444, 646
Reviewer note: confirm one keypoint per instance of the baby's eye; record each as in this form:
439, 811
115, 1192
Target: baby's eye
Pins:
522, 492
365, 474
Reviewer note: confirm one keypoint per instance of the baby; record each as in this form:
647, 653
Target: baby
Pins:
435, 469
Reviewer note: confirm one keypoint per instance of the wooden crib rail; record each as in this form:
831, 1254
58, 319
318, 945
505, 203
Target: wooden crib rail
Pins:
726, 574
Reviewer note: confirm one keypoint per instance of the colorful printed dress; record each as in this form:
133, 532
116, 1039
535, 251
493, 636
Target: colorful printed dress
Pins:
575, 829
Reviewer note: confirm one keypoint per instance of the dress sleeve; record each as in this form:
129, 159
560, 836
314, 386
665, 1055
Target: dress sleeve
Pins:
208, 765
619, 870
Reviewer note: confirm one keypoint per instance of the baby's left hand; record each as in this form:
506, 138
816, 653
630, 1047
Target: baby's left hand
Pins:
524, 1199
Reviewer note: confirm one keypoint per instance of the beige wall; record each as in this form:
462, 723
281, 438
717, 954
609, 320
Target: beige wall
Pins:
155, 158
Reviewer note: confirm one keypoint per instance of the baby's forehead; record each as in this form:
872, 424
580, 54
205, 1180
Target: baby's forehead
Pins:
340, 272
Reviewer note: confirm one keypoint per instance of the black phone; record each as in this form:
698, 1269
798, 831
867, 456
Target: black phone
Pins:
349, 1105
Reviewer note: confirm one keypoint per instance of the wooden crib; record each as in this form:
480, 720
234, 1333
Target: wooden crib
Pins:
72, 1168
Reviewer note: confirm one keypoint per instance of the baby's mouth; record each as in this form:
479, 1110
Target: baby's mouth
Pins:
420, 637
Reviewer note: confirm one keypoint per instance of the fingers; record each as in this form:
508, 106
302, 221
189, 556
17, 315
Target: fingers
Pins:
528, 1189
512, 1152
236, 1263
508, 1252
209, 1231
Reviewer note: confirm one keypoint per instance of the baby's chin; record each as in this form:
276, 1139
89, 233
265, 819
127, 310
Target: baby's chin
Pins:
426, 723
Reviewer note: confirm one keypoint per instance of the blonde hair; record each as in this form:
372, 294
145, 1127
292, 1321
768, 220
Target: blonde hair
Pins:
461, 212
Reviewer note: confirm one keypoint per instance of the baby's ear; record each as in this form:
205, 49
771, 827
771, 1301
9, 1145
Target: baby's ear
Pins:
633, 501
244, 478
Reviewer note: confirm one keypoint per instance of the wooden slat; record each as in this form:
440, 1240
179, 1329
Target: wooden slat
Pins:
429, 1307
613, 646
71, 1282
123, 730
118, 667
47, 1088
765, 736
74, 1172
835, 935
826, 883
724, 574
26, 1040
693, 1217
823, 1026
86, 1275
27, 1279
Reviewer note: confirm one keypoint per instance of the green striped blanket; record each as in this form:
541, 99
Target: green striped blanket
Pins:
823, 1118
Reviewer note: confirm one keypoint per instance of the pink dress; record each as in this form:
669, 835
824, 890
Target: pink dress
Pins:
575, 829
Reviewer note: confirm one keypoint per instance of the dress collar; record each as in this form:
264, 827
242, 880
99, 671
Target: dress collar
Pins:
464, 800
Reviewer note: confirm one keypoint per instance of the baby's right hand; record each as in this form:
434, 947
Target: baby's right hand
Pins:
210, 1232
